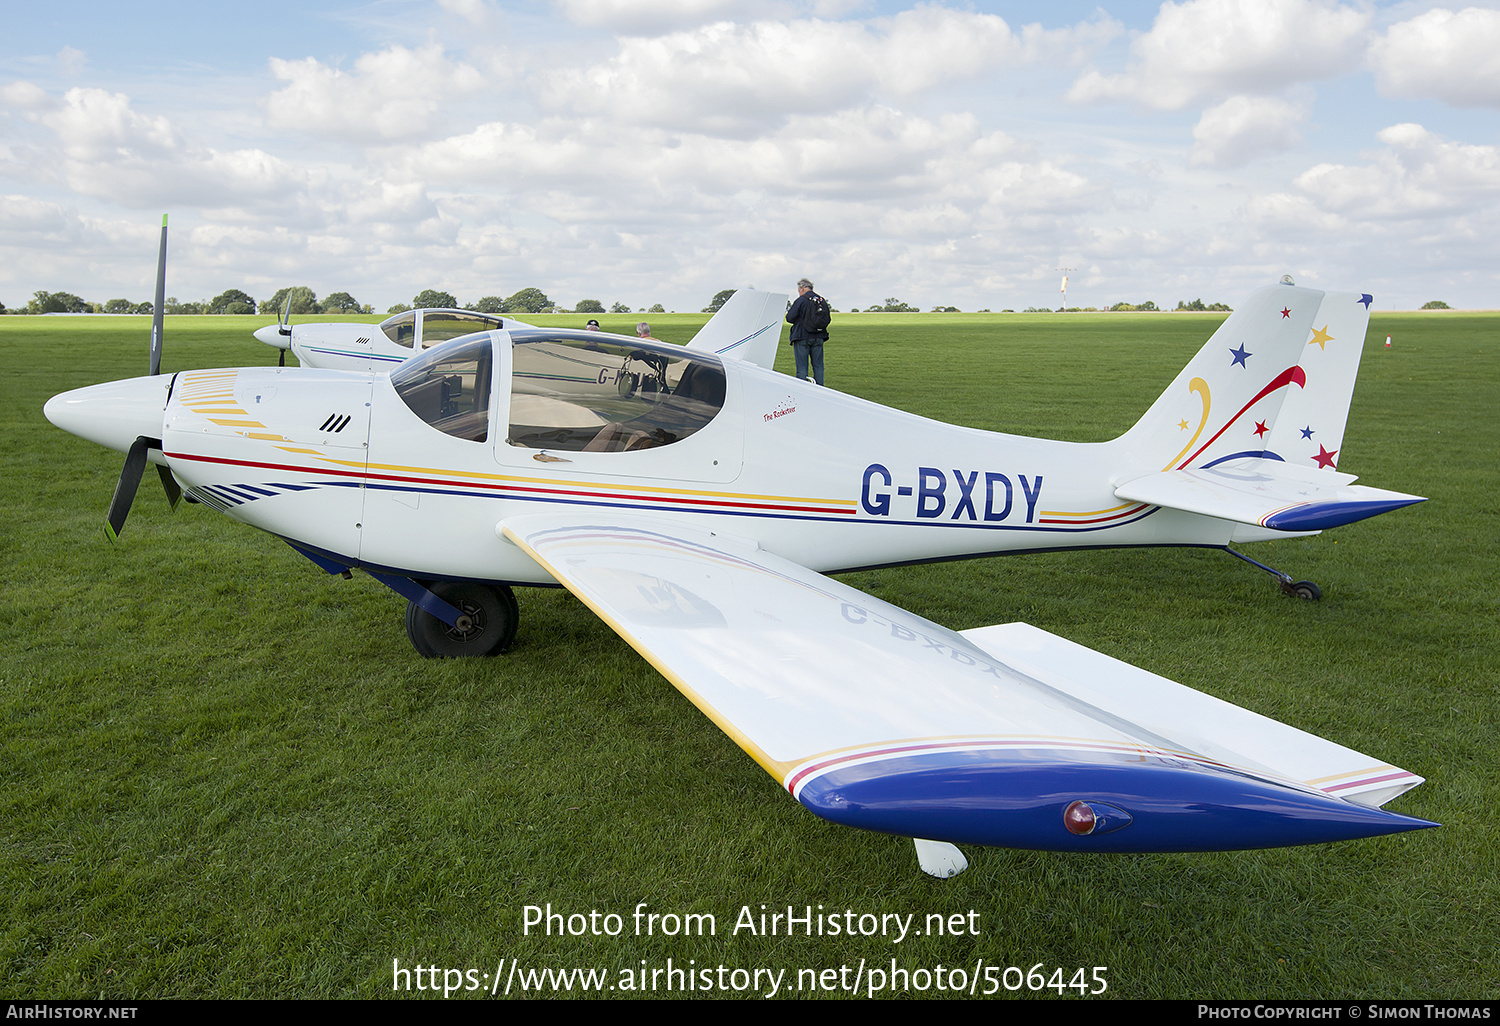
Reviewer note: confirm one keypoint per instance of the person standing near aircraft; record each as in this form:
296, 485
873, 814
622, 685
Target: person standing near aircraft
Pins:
643, 330
809, 316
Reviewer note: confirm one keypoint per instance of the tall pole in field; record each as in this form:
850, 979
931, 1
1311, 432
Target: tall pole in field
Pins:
1065, 272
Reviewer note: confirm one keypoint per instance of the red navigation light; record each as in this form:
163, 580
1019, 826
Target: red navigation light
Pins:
1079, 819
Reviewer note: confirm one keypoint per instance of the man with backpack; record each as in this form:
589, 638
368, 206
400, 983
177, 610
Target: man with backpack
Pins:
809, 317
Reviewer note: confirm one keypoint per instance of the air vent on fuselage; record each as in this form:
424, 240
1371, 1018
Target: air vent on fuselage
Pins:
335, 423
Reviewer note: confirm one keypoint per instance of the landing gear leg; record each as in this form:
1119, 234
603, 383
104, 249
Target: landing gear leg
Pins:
1297, 589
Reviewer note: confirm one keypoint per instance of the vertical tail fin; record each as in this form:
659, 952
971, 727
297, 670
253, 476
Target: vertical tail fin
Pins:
1275, 381
747, 327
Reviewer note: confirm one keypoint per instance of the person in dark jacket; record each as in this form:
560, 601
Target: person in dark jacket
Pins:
809, 316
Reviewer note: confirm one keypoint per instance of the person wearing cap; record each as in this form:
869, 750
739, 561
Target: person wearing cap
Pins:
592, 325
809, 316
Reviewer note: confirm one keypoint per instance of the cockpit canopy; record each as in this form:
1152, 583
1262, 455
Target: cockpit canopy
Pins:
585, 392
433, 326
570, 391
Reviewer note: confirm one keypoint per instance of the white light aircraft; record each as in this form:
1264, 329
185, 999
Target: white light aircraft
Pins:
695, 502
353, 345
747, 327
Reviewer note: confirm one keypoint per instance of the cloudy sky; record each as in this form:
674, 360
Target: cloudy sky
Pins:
661, 150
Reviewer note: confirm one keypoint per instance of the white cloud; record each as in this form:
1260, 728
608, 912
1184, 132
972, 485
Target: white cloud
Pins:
71, 61
865, 160
1418, 175
1453, 57
1073, 45
867, 195
1243, 128
25, 214
108, 150
642, 17
733, 79
94, 125
1209, 48
476, 12
26, 97
395, 93
895, 155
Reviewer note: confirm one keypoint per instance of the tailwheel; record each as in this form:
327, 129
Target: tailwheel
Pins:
1304, 590
1296, 589
486, 626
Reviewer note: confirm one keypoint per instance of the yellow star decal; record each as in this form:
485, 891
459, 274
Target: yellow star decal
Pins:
1321, 336
1182, 425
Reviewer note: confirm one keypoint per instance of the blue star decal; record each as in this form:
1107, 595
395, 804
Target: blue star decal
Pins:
1240, 356
1307, 432
1367, 299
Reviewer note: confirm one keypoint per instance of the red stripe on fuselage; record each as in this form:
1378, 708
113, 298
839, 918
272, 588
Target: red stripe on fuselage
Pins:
571, 492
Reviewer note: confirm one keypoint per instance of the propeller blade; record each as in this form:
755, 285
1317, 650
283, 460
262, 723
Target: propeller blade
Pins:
130, 480
161, 299
284, 316
169, 485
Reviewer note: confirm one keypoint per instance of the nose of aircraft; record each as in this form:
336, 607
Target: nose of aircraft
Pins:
271, 335
115, 413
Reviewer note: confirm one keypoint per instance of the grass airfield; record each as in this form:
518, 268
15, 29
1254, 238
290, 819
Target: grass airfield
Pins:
227, 774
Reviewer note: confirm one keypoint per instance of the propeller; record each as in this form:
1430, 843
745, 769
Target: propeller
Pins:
135, 458
161, 300
284, 325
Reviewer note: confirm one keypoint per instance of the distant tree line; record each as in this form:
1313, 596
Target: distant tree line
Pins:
529, 300
304, 301
231, 301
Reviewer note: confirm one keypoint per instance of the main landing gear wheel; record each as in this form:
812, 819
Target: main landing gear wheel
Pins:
487, 627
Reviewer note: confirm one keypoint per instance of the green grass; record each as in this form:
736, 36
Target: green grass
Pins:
226, 774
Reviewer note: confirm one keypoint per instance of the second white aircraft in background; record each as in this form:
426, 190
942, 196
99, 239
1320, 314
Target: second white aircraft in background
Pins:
747, 327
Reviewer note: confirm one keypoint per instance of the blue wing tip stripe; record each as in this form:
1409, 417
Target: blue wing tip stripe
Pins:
1319, 516
1008, 801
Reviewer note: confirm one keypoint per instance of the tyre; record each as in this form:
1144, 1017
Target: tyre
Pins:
488, 626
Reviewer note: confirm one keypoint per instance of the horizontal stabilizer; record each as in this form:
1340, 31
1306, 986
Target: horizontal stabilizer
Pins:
1266, 493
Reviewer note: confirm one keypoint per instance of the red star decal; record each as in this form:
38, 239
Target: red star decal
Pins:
1324, 458
1286, 312
1260, 428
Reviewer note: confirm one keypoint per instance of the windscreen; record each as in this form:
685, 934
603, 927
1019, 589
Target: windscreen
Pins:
449, 387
